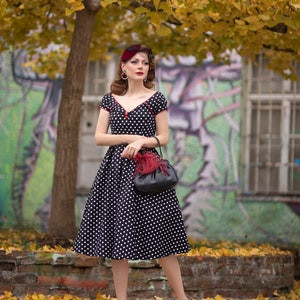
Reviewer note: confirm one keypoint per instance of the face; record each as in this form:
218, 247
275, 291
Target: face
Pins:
137, 67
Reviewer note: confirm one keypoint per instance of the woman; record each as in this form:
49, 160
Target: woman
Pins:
118, 222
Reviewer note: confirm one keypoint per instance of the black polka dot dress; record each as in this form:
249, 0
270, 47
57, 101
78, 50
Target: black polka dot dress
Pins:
118, 222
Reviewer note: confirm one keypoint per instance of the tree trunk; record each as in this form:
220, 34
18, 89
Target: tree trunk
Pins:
62, 221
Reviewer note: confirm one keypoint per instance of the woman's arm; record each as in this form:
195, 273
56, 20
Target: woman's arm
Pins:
139, 142
134, 142
162, 127
103, 138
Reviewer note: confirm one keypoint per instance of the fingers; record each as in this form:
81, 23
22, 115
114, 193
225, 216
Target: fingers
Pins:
129, 152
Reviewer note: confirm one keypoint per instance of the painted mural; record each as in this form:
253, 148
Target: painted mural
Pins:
204, 124
204, 114
29, 104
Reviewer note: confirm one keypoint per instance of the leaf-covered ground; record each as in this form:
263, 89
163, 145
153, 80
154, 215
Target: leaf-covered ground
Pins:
17, 240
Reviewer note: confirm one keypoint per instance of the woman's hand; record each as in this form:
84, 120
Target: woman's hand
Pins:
132, 149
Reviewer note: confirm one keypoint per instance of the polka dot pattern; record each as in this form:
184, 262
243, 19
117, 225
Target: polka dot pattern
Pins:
118, 222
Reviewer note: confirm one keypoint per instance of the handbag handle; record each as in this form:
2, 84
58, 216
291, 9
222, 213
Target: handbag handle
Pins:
158, 143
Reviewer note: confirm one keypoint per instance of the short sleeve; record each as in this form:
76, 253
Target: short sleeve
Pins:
107, 102
158, 103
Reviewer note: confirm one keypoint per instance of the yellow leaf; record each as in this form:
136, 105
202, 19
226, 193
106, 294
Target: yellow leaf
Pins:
260, 297
252, 19
214, 15
295, 5
46, 248
33, 247
35, 297
264, 17
163, 30
124, 3
254, 251
166, 8
69, 12
105, 3
239, 22
156, 3
104, 297
141, 10
237, 5
76, 3
8, 294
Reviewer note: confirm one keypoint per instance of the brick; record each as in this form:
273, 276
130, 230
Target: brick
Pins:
24, 259
72, 282
50, 281
80, 260
144, 264
284, 281
186, 270
6, 287
198, 283
43, 258
285, 269
147, 274
80, 272
39, 289
105, 272
13, 255
7, 266
28, 268
25, 278
59, 291
134, 286
202, 269
189, 260
230, 283
86, 284
20, 289
62, 259
7, 276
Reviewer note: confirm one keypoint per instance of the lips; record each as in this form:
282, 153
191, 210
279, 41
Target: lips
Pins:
139, 73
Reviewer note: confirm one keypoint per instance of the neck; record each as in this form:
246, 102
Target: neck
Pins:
136, 87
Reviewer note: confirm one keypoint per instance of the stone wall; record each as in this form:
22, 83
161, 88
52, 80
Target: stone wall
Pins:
24, 272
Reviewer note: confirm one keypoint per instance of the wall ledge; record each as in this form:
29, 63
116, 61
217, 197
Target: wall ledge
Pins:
238, 277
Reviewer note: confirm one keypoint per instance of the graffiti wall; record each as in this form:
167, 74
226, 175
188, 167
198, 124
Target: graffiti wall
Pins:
204, 114
205, 128
204, 124
29, 105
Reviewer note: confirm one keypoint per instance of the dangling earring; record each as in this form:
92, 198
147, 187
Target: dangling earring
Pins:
124, 75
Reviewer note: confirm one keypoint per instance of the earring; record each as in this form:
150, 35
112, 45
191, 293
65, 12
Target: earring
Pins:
124, 75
